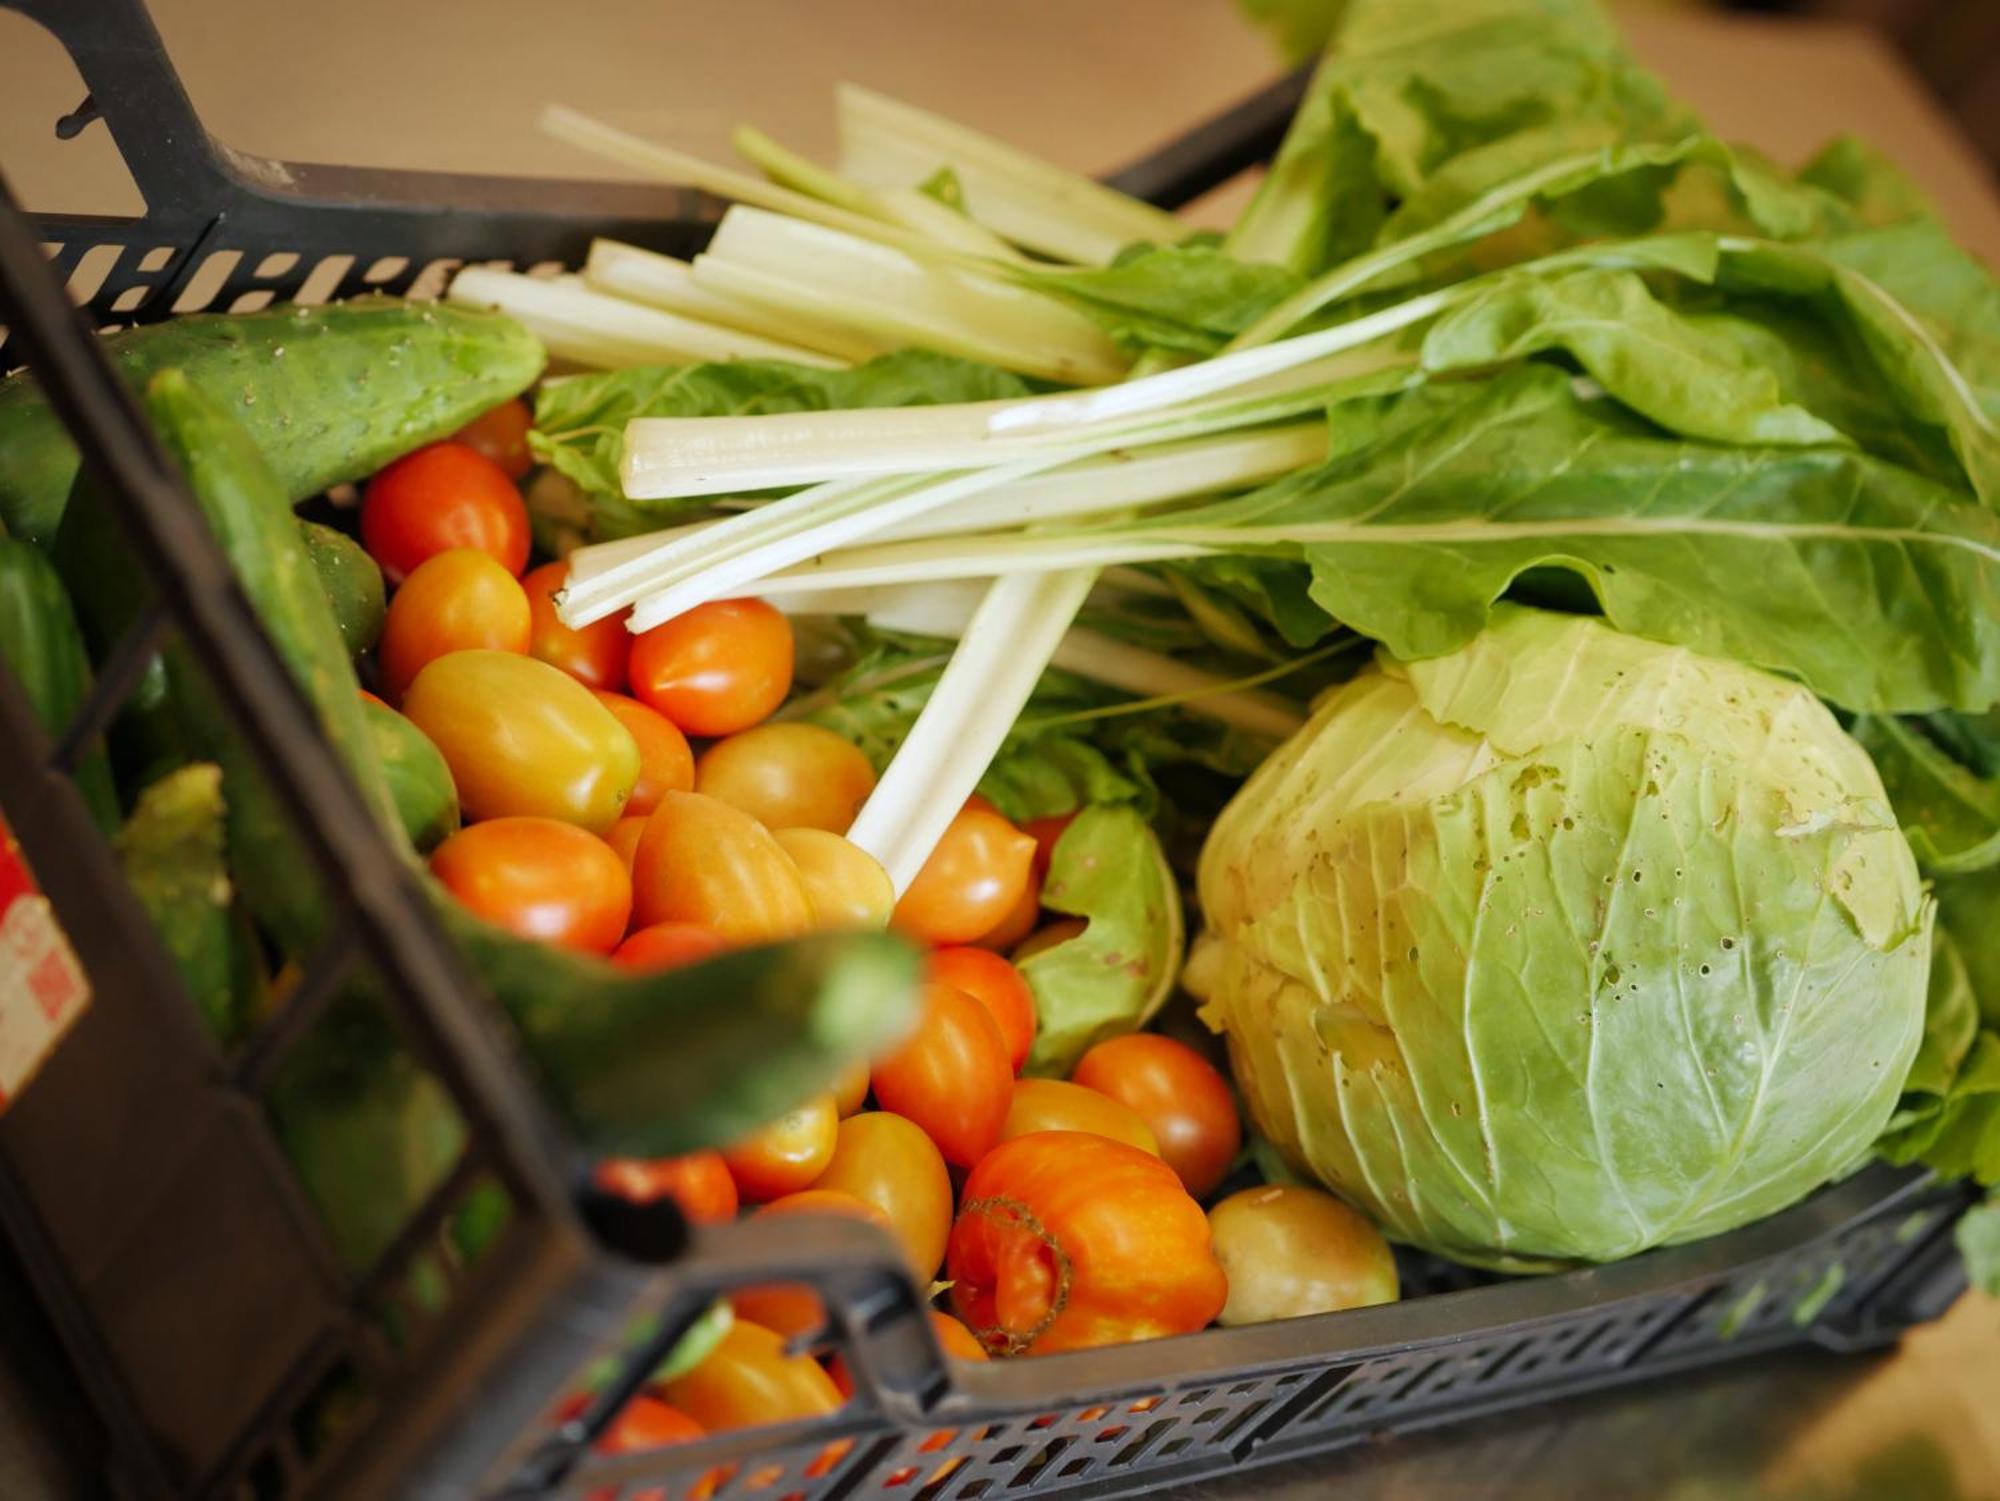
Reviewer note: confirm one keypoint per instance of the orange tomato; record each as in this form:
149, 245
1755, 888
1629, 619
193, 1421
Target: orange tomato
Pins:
539, 878
445, 496
749, 1379
1179, 1094
850, 1090
501, 434
971, 880
847, 886
953, 1338
703, 862
699, 1183
666, 764
887, 1161
1066, 1240
623, 836
789, 1308
1019, 922
667, 945
593, 654
717, 669
786, 1155
789, 776
950, 1076
647, 1423
456, 601
522, 738
996, 985
1046, 831
1052, 1105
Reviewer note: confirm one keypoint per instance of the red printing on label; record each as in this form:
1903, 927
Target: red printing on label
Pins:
42, 987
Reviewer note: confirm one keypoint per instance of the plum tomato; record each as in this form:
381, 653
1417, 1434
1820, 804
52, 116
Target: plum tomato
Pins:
748, 1379
593, 654
666, 764
522, 738
1018, 923
950, 1075
788, 776
971, 880
847, 886
501, 434
1052, 1105
703, 862
667, 945
850, 1089
996, 985
1290, 1250
443, 496
789, 1308
1066, 1240
623, 836
889, 1162
539, 878
1178, 1093
698, 1182
953, 1338
786, 1155
457, 601
647, 1423
719, 668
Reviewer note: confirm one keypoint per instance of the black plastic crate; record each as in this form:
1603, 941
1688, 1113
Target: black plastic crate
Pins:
203, 1319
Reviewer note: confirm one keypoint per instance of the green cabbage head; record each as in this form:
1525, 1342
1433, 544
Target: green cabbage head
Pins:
1565, 945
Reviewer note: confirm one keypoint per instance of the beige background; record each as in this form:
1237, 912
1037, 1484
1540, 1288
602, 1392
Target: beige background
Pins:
1089, 83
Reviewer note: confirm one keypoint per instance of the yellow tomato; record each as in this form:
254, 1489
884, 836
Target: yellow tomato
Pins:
701, 861
525, 739
847, 886
1052, 1105
788, 776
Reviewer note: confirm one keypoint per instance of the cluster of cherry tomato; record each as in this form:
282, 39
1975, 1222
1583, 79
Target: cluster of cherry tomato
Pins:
631, 795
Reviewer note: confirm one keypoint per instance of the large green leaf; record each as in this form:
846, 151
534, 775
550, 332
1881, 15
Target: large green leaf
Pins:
1949, 811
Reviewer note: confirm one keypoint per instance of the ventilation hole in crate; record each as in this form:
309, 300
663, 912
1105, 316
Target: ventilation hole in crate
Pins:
708, 1487
1245, 1388
130, 300
1046, 1420
324, 279
1196, 1397
824, 1461
1113, 1434
92, 267
1138, 1446
157, 259
207, 282
763, 1478
1207, 1415
1242, 1419
276, 264
1286, 1383
1074, 1468
1144, 1404
1004, 1456
899, 1477
1091, 1414
1047, 1455
386, 268
938, 1440
973, 1489
1174, 1446
934, 1485
431, 280
254, 301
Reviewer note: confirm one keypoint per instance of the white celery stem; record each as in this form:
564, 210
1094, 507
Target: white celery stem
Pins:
885, 143
989, 555
660, 281
979, 695
611, 333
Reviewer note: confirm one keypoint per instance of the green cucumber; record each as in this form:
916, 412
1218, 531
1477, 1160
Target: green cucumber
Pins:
171, 849
42, 643
419, 780
328, 394
352, 582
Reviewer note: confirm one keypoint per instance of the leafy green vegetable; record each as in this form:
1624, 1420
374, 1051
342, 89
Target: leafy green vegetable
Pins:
1979, 1243
1299, 27
1192, 297
1565, 944
1950, 812
1109, 869
580, 420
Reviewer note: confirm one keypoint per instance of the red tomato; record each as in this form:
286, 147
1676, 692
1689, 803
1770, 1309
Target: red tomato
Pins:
1046, 832
456, 601
953, 1338
786, 1155
668, 945
643, 1423
439, 498
501, 434
594, 655
1179, 1094
887, 1161
1066, 1240
1019, 922
789, 1308
666, 764
717, 669
699, 1183
539, 878
996, 985
748, 1380
950, 1076
972, 880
